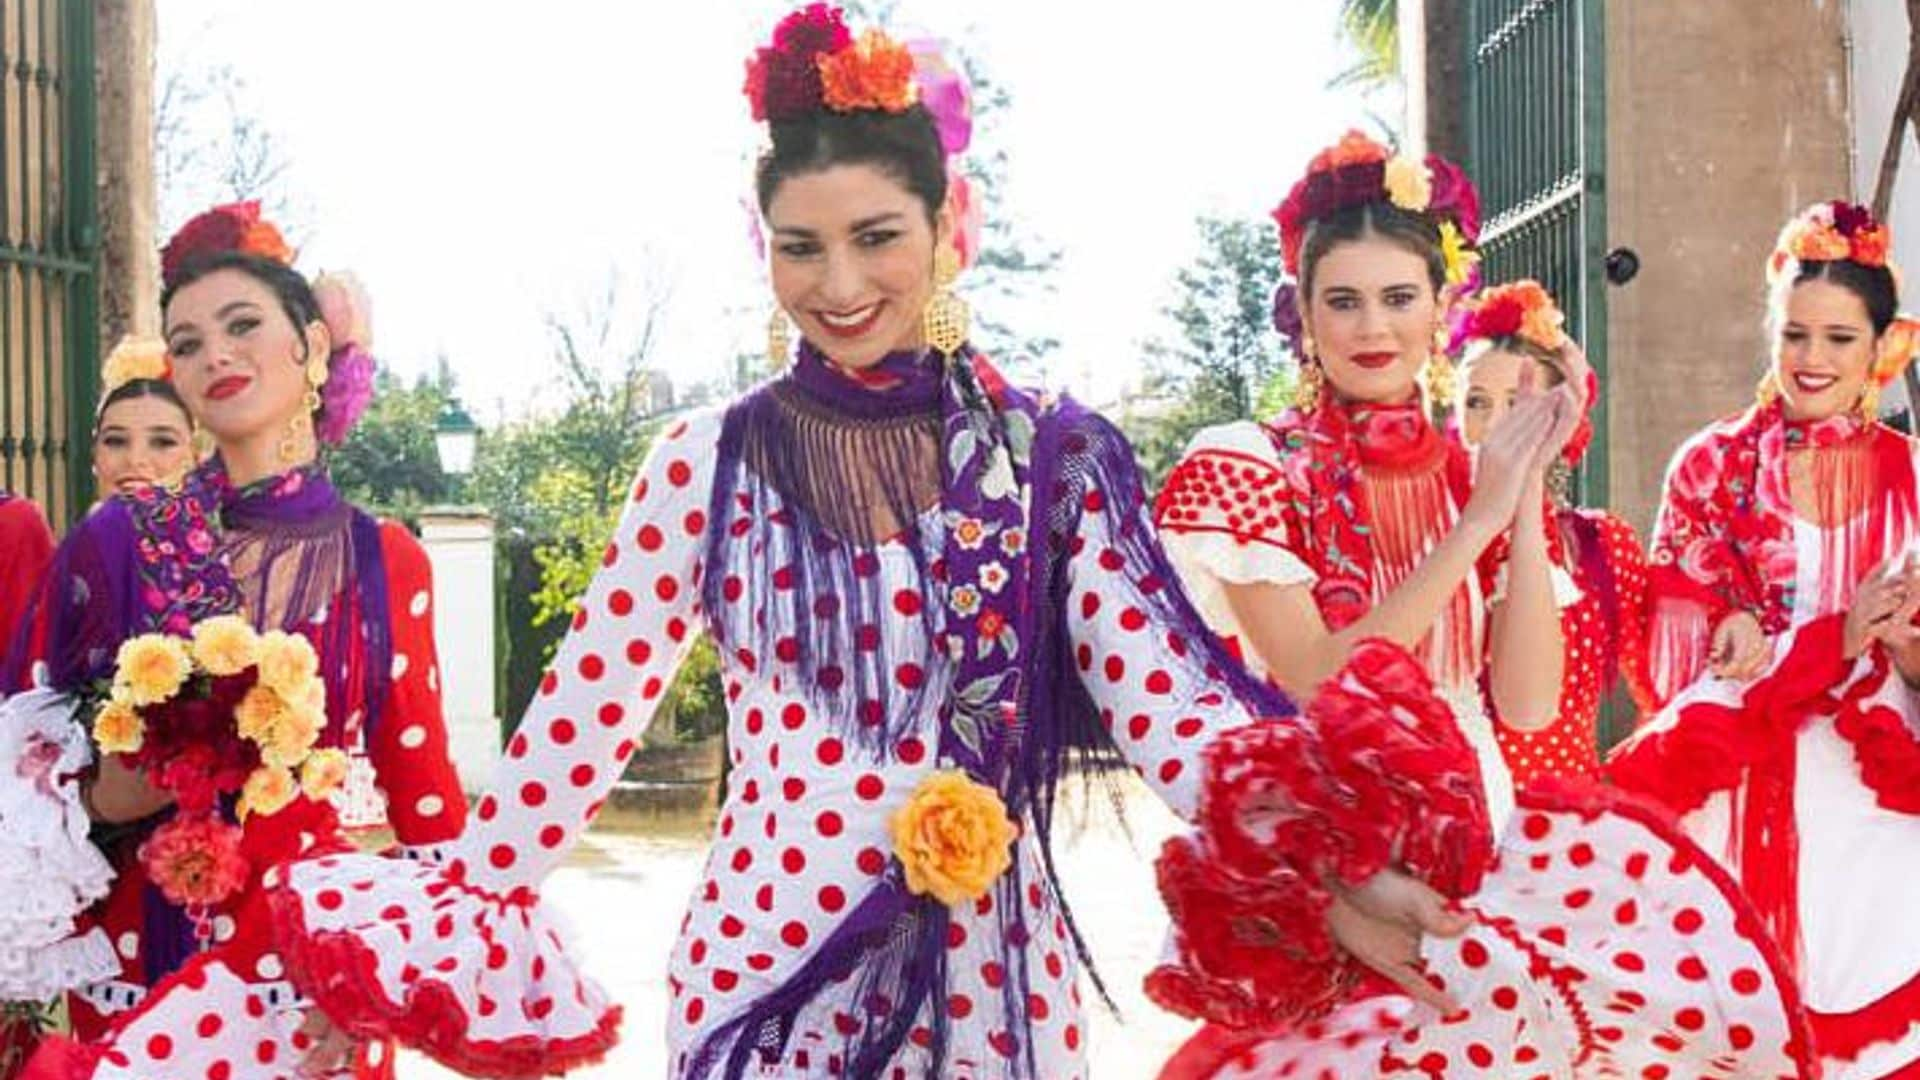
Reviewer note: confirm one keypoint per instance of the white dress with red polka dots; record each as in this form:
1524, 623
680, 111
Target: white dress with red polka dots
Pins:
803, 833
1602, 942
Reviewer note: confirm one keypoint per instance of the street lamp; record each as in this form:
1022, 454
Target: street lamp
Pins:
454, 437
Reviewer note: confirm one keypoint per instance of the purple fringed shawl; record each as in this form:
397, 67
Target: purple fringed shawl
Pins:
1015, 474
158, 560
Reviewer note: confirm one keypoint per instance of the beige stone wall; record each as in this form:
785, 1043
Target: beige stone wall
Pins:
129, 265
1723, 119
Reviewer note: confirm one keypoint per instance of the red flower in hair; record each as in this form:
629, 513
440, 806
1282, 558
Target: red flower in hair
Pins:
233, 227
1850, 218
783, 79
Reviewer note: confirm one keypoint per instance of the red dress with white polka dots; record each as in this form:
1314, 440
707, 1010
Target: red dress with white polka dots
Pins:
1604, 631
1601, 941
231, 1011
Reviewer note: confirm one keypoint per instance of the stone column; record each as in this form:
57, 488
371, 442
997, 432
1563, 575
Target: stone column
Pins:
459, 543
123, 78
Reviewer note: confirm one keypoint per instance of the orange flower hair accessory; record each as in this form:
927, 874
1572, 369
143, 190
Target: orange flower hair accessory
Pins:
1897, 348
233, 227
134, 358
1828, 232
876, 72
1522, 309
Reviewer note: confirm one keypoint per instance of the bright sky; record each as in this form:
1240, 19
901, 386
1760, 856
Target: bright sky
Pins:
481, 165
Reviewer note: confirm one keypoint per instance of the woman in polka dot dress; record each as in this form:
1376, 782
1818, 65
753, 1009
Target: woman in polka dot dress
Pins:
1590, 938
931, 591
256, 353
1600, 570
1785, 588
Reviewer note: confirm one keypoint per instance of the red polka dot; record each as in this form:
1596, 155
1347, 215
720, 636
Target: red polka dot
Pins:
1537, 826
794, 934
907, 603
620, 602
793, 861
959, 1006
696, 522
869, 787
1473, 954
160, 1047
1690, 1019
533, 793
793, 717
832, 899
265, 1052
679, 474
871, 862
582, 775
330, 899
911, 751
592, 667
1171, 769
638, 653
666, 589
552, 837
501, 856
829, 824
1746, 982
830, 752
1688, 921
562, 732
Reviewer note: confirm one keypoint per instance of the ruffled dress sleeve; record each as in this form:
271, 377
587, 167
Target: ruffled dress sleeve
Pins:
464, 960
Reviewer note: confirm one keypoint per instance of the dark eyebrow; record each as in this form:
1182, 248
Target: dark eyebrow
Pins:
878, 219
233, 307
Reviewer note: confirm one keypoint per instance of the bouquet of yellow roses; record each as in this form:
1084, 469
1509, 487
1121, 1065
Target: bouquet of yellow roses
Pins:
228, 713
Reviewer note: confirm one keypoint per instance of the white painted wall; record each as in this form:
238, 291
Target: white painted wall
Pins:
1879, 36
459, 544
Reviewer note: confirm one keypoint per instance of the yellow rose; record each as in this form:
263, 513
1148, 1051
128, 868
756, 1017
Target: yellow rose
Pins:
953, 838
1408, 186
225, 645
267, 791
257, 713
323, 773
287, 663
151, 668
289, 739
118, 729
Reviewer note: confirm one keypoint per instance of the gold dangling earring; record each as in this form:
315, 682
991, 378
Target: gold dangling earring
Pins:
1437, 374
779, 341
1870, 402
1768, 390
300, 428
1307, 389
945, 322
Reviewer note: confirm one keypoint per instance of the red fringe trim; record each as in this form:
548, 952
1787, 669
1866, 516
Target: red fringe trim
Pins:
337, 971
1846, 1035
1884, 747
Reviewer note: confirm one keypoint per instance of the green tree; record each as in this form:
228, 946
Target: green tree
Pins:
558, 483
1372, 29
1227, 362
389, 464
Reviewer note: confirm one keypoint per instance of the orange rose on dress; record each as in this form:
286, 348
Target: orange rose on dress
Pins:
953, 838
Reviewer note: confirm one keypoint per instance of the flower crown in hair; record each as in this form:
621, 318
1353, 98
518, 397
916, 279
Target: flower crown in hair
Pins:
1522, 309
233, 227
133, 359
341, 300
1357, 171
1829, 232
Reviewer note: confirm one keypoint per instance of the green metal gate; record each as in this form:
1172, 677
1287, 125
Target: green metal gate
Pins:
1536, 146
49, 236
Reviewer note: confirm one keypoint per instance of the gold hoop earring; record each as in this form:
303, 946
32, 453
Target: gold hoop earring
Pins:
779, 340
299, 436
945, 322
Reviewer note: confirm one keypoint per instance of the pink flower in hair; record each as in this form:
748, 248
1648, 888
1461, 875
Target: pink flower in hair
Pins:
345, 397
346, 309
944, 94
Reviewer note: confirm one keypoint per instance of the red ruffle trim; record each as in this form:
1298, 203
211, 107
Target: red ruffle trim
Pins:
1709, 745
338, 972
1847, 1035
1376, 774
1884, 746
